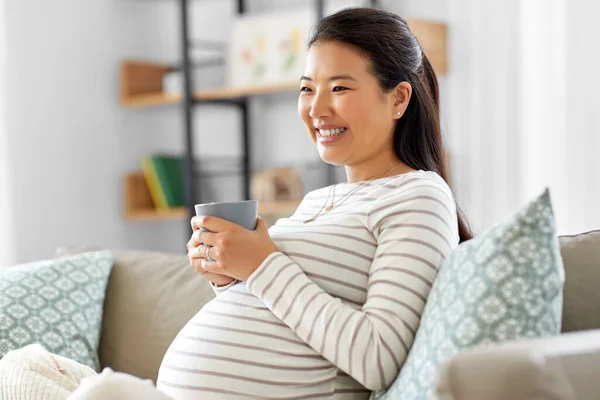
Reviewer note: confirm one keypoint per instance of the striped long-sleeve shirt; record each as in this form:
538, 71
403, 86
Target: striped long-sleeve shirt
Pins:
334, 312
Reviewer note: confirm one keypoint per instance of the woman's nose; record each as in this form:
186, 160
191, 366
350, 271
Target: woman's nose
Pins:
320, 107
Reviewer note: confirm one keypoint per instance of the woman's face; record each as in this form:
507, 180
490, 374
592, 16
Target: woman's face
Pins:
345, 111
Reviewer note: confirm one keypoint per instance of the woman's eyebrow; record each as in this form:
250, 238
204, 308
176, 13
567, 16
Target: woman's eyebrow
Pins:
331, 78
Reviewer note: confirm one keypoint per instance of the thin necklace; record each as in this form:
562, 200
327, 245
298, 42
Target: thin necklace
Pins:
345, 197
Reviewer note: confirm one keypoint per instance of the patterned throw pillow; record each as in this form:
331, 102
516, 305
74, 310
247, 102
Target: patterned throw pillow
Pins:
504, 284
56, 303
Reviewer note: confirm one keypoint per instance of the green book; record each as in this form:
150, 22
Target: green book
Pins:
170, 170
158, 197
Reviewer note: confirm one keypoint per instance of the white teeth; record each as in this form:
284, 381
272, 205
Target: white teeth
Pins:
331, 132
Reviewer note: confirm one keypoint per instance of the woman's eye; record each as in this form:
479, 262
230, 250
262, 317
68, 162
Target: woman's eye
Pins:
305, 89
339, 88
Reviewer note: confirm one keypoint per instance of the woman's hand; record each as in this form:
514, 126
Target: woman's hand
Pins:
197, 253
236, 252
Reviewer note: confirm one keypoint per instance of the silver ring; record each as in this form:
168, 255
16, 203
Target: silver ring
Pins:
206, 254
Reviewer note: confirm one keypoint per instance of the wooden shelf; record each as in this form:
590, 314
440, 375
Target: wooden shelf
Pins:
141, 82
152, 214
228, 93
238, 92
141, 86
150, 99
138, 205
433, 37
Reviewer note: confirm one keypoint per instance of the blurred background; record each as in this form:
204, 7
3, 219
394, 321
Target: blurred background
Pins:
93, 132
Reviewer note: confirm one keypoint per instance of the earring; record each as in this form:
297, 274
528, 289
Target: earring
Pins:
398, 112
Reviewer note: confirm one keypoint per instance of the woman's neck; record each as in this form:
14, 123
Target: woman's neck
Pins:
377, 170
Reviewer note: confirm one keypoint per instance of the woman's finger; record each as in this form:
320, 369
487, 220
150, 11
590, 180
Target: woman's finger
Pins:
204, 251
210, 253
194, 240
197, 266
205, 237
213, 224
194, 223
192, 244
210, 266
197, 252
219, 279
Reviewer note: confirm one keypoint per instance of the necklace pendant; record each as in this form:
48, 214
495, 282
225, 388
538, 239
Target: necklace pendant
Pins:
329, 208
309, 220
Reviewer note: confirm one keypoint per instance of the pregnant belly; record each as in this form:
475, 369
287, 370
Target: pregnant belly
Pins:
235, 346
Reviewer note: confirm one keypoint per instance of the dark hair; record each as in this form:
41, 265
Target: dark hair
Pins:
396, 56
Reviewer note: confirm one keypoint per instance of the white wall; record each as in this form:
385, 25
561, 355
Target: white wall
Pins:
542, 100
6, 222
582, 125
69, 140
523, 87
483, 109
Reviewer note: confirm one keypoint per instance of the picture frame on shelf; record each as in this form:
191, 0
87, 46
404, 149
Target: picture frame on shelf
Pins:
268, 48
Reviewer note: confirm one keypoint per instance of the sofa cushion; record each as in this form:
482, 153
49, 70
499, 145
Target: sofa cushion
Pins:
57, 304
562, 367
150, 297
504, 284
581, 256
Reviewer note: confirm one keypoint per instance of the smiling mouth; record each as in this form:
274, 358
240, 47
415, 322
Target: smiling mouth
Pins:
330, 132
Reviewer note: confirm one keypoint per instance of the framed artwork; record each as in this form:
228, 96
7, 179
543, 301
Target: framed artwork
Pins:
269, 48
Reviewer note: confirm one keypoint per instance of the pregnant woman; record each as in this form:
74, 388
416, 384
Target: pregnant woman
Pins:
326, 303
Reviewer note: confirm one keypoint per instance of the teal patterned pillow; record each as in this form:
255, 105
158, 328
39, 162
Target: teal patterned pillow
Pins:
504, 284
56, 303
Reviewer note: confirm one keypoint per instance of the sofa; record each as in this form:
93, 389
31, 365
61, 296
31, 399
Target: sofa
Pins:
151, 295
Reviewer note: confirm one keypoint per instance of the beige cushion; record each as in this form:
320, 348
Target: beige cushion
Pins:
581, 303
150, 297
563, 367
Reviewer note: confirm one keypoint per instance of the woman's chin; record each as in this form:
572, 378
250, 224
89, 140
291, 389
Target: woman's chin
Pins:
330, 157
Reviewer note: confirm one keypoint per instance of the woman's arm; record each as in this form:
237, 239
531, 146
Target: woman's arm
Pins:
414, 234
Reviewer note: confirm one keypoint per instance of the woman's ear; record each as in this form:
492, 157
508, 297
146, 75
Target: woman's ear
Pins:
402, 94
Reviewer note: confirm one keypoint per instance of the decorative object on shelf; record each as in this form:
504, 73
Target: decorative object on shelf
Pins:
268, 48
282, 184
172, 82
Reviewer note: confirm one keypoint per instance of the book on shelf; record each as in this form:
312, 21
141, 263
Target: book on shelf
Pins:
164, 176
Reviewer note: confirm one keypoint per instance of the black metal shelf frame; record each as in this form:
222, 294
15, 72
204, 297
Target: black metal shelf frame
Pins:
188, 106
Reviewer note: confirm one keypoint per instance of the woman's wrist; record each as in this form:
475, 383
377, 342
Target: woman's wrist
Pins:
233, 282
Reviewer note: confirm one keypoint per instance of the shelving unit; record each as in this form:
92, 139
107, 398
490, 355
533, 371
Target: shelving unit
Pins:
141, 86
